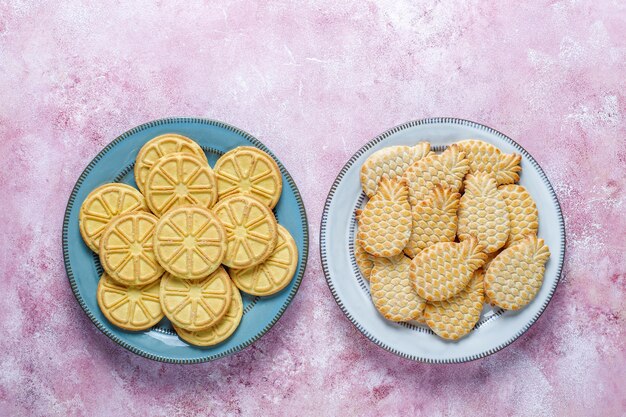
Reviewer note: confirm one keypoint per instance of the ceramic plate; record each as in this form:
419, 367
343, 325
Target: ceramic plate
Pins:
115, 164
496, 328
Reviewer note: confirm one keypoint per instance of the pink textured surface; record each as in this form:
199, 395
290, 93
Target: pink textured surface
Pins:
314, 82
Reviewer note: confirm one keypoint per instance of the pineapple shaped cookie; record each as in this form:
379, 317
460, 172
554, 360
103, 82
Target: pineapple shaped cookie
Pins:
523, 214
484, 157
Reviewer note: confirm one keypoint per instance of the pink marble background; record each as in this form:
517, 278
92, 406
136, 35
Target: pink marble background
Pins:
314, 81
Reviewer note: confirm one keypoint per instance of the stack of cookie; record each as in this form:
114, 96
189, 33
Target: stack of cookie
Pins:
164, 247
442, 233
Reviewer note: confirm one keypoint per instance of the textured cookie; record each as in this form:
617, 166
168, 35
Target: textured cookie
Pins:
199, 304
516, 275
251, 230
490, 257
391, 162
160, 146
249, 171
457, 316
127, 251
523, 214
101, 205
483, 213
442, 270
130, 308
384, 225
447, 169
484, 157
274, 273
392, 292
180, 179
190, 242
364, 260
434, 220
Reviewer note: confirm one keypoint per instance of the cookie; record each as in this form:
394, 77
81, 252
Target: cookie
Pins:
434, 220
454, 318
364, 260
131, 308
523, 214
180, 179
516, 275
249, 171
251, 230
484, 157
199, 304
490, 257
392, 291
483, 213
391, 162
384, 226
160, 146
101, 205
274, 273
127, 251
442, 270
189, 242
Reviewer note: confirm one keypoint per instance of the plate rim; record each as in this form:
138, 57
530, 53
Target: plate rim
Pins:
72, 279
380, 138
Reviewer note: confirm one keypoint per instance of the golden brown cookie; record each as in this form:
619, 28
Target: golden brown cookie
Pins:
364, 260
484, 157
523, 214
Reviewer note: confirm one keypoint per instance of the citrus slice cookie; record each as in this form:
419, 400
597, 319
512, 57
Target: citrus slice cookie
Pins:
516, 275
364, 260
199, 304
457, 316
434, 220
385, 222
221, 330
442, 270
180, 179
160, 146
391, 161
274, 273
447, 168
251, 230
101, 205
189, 242
130, 308
392, 292
483, 213
484, 157
126, 249
249, 171
523, 214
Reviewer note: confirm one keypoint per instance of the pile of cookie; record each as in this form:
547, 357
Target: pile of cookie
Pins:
442, 233
164, 247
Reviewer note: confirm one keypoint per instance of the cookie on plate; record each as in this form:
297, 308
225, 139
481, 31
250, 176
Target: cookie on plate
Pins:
364, 260
523, 214
484, 157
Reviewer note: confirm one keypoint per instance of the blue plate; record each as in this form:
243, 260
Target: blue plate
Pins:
115, 164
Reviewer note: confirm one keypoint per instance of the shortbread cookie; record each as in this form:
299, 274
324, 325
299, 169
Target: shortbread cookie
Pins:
101, 205
434, 220
251, 230
190, 242
180, 179
385, 223
392, 292
457, 316
516, 275
364, 260
130, 308
127, 251
523, 214
249, 171
442, 270
483, 213
484, 157
199, 304
391, 161
160, 146
274, 273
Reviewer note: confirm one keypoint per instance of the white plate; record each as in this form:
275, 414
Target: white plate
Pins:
496, 328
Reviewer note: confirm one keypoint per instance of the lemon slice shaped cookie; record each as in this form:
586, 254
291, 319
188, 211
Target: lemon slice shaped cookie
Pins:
160, 146
273, 274
249, 171
101, 205
523, 214
196, 305
484, 157
131, 308
126, 249
190, 242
